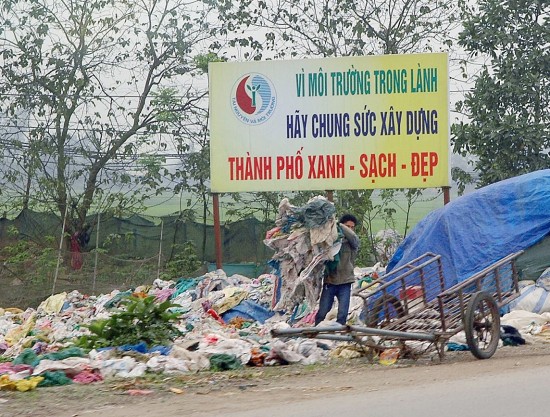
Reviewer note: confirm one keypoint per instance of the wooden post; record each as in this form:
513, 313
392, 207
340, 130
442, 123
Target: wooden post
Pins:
96, 252
217, 230
446, 194
59, 253
160, 248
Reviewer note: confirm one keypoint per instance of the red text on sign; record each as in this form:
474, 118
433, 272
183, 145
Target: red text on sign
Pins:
326, 166
378, 165
249, 168
290, 167
423, 163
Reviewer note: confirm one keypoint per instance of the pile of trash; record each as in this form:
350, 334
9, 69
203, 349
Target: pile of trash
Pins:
220, 322
224, 323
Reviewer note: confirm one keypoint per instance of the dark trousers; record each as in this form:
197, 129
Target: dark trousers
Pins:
342, 293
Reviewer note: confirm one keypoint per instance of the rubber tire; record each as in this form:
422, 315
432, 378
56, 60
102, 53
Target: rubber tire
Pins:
371, 316
472, 328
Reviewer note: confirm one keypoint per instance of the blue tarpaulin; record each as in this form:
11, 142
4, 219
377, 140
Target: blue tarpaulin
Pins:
248, 310
477, 229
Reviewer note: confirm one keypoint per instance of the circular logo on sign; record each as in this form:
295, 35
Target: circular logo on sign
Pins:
253, 99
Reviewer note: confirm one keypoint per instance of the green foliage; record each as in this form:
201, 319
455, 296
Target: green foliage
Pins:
18, 252
29, 260
508, 111
305, 28
184, 261
115, 239
165, 101
140, 320
12, 231
90, 87
262, 205
366, 255
46, 262
462, 178
202, 60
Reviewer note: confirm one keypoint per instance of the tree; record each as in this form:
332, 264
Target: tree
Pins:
191, 140
328, 28
78, 98
507, 127
193, 176
262, 204
332, 28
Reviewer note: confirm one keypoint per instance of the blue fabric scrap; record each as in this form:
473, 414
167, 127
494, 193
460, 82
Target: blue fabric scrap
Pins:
248, 310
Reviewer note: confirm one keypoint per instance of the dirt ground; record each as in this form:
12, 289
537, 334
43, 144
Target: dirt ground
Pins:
212, 394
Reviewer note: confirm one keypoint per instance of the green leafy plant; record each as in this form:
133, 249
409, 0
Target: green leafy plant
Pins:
27, 259
12, 231
183, 262
138, 320
19, 252
504, 132
365, 256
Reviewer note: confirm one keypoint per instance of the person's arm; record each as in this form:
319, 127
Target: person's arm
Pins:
350, 236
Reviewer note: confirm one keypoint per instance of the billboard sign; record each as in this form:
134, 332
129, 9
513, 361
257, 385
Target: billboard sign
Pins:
330, 124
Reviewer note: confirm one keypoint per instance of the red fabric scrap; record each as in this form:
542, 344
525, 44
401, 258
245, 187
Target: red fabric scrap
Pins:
87, 377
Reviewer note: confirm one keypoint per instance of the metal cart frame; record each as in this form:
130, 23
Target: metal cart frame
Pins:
413, 303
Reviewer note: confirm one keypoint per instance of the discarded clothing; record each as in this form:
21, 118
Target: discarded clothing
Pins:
224, 362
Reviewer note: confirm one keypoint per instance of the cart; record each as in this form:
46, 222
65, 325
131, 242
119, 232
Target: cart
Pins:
412, 303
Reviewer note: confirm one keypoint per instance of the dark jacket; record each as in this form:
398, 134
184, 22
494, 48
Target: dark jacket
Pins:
348, 252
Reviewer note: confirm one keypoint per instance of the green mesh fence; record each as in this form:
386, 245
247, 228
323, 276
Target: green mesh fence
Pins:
122, 253
26, 284
140, 236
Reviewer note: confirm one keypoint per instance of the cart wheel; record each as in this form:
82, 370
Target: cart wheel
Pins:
482, 325
385, 308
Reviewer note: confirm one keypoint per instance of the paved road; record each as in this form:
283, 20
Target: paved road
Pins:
514, 383
520, 393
